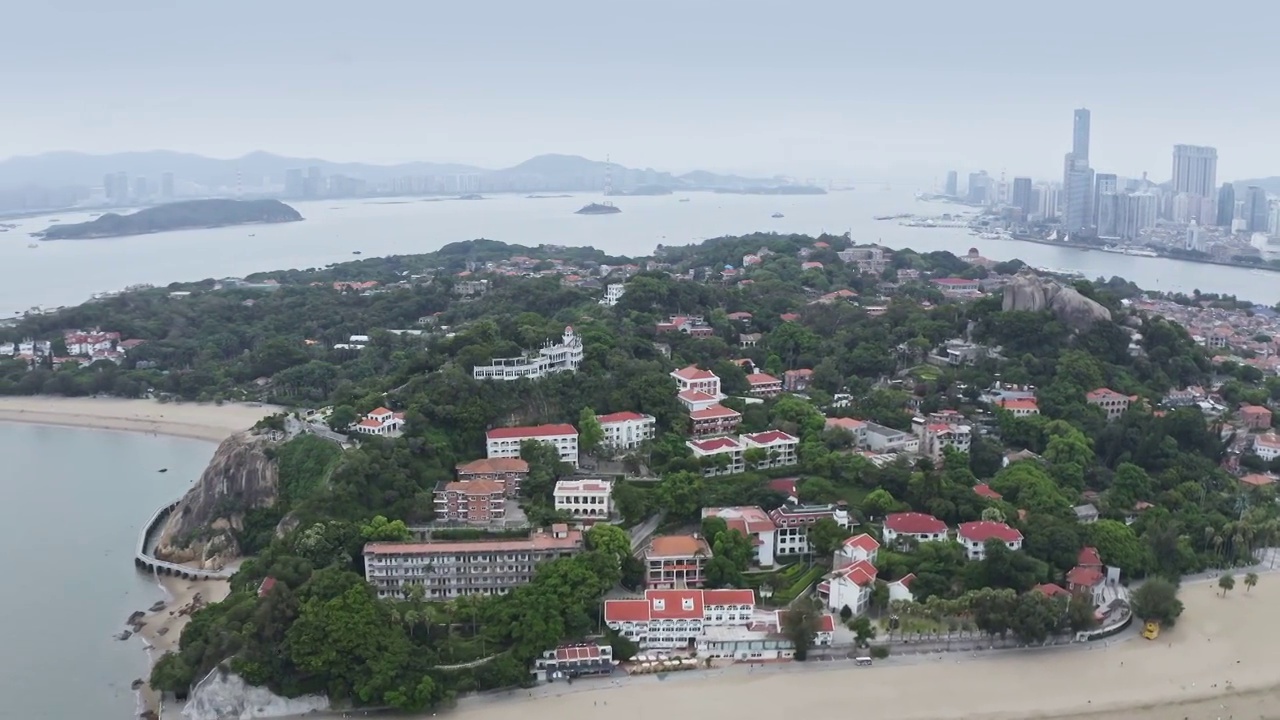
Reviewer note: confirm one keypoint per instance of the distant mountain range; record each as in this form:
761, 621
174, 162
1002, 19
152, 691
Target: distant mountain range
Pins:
570, 172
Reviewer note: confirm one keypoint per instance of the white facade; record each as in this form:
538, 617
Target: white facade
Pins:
695, 378
505, 442
1112, 403
754, 524
779, 446
381, 422
1267, 446
974, 535
584, 499
677, 618
793, 522
918, 526
626, 430
565, 356
612, 294
729, 448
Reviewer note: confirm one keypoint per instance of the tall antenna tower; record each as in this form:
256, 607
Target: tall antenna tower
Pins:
608, 176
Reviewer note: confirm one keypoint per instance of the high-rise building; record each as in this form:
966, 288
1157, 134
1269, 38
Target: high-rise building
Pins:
1078, 190
953, 185
1102, 183
1049, 201
1080, 135
315, 182
1256, 208
166, 186
1022, 196
1226, 205
979, 183
1108, 213
121, 187
1195, 170
1137, 213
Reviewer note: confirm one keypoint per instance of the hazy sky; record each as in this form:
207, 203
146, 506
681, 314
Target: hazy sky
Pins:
833, 88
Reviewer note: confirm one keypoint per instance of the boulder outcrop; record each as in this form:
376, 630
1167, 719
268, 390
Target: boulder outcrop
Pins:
241, 476
223, 694
1030, 292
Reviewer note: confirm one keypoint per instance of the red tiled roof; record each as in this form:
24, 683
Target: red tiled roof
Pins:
1089, 556
827, 623
749, 520
476, 487
619, 417
1257, 479
1020, 404
379, 411
1051, 589
914, 523
716, 444
1102, 394
983, 530
715, 411
1080, 576
860, 573
761, 379
906, 580
789, 317
696, 396
985, 491
495, 466
677, 546
265, 586
671, 604
567, 653
626, 610
729, 596
508, 433
787, 486
863, 542
769, 437
693, 372
1257, 410
849, 424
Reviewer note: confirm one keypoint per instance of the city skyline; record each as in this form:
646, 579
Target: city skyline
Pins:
463, 83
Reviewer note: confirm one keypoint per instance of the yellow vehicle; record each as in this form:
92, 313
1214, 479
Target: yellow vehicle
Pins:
1151, 631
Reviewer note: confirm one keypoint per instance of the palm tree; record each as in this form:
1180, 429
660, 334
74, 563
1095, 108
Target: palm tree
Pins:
1226, 582
1250, 579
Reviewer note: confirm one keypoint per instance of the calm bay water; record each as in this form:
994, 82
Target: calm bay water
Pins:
67, 272
72, 502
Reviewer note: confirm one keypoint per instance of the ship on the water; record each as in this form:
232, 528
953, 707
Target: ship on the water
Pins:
1126, 250
604, 208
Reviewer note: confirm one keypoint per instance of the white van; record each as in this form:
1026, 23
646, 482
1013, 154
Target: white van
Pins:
864, 660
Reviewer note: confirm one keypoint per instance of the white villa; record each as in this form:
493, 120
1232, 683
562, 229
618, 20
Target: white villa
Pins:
565, 356
505, 442
583, 499
381, 422
626, 430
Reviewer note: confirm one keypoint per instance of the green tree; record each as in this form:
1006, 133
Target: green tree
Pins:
379, 529
172, 673
1156, 600
590, 434
680, 494
1033, 616
1250, 580
1227, 582
878, 503
825, 536
800, 626
342, 418
1120, 546
734, 547
863, 630
610, 540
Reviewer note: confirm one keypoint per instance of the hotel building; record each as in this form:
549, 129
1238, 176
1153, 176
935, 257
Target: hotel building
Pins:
565, 356
505, 442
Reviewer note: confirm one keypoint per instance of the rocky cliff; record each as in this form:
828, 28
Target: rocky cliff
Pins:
240, 477
1030, 292
223, 694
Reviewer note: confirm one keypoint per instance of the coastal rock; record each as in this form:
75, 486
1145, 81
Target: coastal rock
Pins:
1032, 293
222, 695
241, 476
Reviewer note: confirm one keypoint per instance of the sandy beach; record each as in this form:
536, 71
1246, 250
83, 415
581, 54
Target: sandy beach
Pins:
1219, 662
162, 629
200, 421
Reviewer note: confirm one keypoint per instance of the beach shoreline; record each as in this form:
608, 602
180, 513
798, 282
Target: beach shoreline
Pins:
194, 421
161, 630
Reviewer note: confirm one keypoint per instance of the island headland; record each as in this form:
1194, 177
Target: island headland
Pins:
176, 216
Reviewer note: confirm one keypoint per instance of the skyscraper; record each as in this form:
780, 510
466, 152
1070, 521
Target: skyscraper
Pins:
1080, 135
1102, 183
1078, 190
1226, 205
1049, 201
1255, 208
1137, 213
978, 185
953, 185
1108, 214
1021, 198
1195, 170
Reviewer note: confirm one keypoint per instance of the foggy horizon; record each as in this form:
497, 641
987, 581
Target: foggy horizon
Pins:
819, 89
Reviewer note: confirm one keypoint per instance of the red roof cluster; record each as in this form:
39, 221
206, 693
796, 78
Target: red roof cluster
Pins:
623, 416
768, 437
693, 372
1084, 577
914, 523
674, 604
508, 433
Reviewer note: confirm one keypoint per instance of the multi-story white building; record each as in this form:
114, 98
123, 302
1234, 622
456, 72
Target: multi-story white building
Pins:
505, 442
381, 422
79, 342
565, 356
851, 582
793, 521
919, 526
779, 447
1019, 407
728, 448
856, 428
626, 430
584, 499
1112, 403
677, 618
974, 536
940, 431
612, 294
754, 524
451, 569
675, 561
1267, 446
695, 378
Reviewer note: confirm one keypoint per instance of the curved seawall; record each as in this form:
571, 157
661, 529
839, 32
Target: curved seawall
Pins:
144, 560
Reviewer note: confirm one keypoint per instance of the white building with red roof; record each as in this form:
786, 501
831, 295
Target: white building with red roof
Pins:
675, 561
754, 524
917, 526
764, 385
715, 419
779, 447
505, 442
571, 661
626, 430
719, 455
694, 400
849, 585
794, 520
381, 422
856, 428
1267, 446
974, 536
564, 356
1019, 407
1114, 404
583, 499
942, 430
762, 639
695, 378
677, 618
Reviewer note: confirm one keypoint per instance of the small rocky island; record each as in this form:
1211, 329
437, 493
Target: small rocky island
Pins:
176, 216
